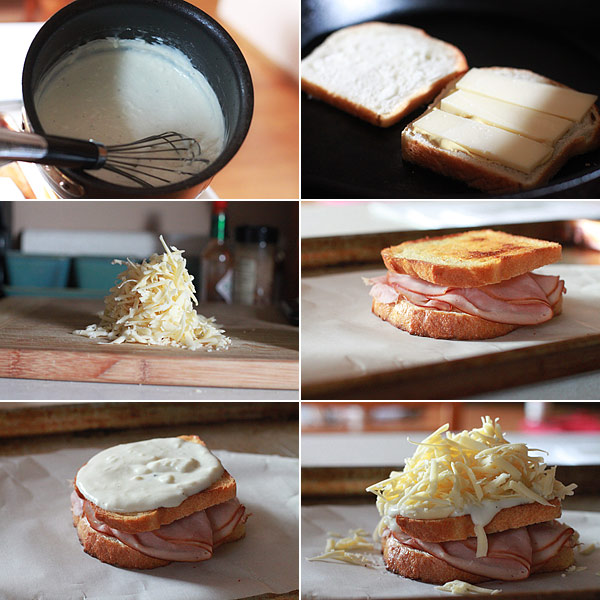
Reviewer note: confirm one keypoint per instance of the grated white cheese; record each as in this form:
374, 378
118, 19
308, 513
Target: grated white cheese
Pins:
462, 587
346, 548
475, 472
574, 569
152, 303
586, 550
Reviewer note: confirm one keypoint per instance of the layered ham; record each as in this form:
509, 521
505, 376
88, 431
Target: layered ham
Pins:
528, 299
190, 539
512, 554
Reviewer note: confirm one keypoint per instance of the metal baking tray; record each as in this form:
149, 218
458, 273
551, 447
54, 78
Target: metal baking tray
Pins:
345, 157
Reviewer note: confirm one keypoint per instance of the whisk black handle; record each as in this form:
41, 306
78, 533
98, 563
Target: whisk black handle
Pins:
51, 150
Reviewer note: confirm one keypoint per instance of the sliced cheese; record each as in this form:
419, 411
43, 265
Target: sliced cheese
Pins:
531, 123
552, 99
457, 133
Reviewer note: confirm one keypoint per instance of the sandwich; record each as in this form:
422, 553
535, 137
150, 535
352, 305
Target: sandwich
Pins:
474, 507
467, 286
502, 130
145, 504
380, 72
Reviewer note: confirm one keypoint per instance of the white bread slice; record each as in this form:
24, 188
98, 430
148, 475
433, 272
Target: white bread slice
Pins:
491, 176
470, 259
110, 550
420, 565
441, 324
380, 72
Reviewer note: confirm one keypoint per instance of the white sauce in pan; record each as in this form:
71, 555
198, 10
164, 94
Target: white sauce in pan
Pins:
117, 91
147, 475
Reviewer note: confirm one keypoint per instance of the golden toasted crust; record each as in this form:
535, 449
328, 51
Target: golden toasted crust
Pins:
110, 550
470, 259
489, 176
461, 528
441, 324
222, 490
420, 565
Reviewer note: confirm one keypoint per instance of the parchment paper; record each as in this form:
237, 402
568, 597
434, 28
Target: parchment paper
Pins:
41, 557
341, 338
332, 580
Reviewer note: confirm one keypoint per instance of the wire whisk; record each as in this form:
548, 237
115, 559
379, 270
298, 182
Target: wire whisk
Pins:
150, 162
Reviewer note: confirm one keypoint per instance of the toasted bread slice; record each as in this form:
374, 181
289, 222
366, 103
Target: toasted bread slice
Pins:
380, 72
110, 550
461, 528
470, 259
420, 565
488, 175
441, 324
220, 491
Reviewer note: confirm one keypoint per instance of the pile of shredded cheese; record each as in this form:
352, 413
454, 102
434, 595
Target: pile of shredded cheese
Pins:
350, 549
152, 303
455, 474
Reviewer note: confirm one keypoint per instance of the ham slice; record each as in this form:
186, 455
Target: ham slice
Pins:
524, 300
512, 555
224, 518
189, 539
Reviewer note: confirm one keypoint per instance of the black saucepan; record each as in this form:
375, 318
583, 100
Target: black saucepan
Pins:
174, 22
345, 157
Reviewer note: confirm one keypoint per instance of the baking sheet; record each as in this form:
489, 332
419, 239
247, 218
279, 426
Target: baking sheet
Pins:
41, 557
341, 338
330, 580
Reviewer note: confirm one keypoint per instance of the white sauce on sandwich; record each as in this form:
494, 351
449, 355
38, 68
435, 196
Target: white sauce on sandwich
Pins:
146, 475
117, 91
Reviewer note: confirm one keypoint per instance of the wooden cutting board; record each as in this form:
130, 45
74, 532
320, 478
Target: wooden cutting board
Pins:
36, 342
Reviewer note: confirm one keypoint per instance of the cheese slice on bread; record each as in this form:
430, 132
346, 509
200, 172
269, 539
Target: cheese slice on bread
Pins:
177, 522
467, 286
474, 507
380, 72
502, 130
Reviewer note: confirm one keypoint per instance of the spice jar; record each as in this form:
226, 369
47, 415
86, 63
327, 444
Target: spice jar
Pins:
254, 266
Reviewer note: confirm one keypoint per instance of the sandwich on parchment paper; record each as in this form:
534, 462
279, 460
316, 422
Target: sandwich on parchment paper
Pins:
467, 286
473, 507
145, 504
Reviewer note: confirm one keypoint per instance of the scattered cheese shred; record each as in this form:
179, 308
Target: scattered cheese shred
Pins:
455, 474
586, 550
574, 569
152, 303
346, 548
462, 587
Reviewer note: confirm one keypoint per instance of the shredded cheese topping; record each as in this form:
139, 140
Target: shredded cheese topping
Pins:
475, 472
462, 587
349, 548
152, 303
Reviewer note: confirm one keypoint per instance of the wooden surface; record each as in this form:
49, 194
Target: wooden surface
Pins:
30, 419
36, 342
468, 376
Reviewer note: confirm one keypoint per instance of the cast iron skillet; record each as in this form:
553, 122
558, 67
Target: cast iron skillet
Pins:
177, 23
345, 157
